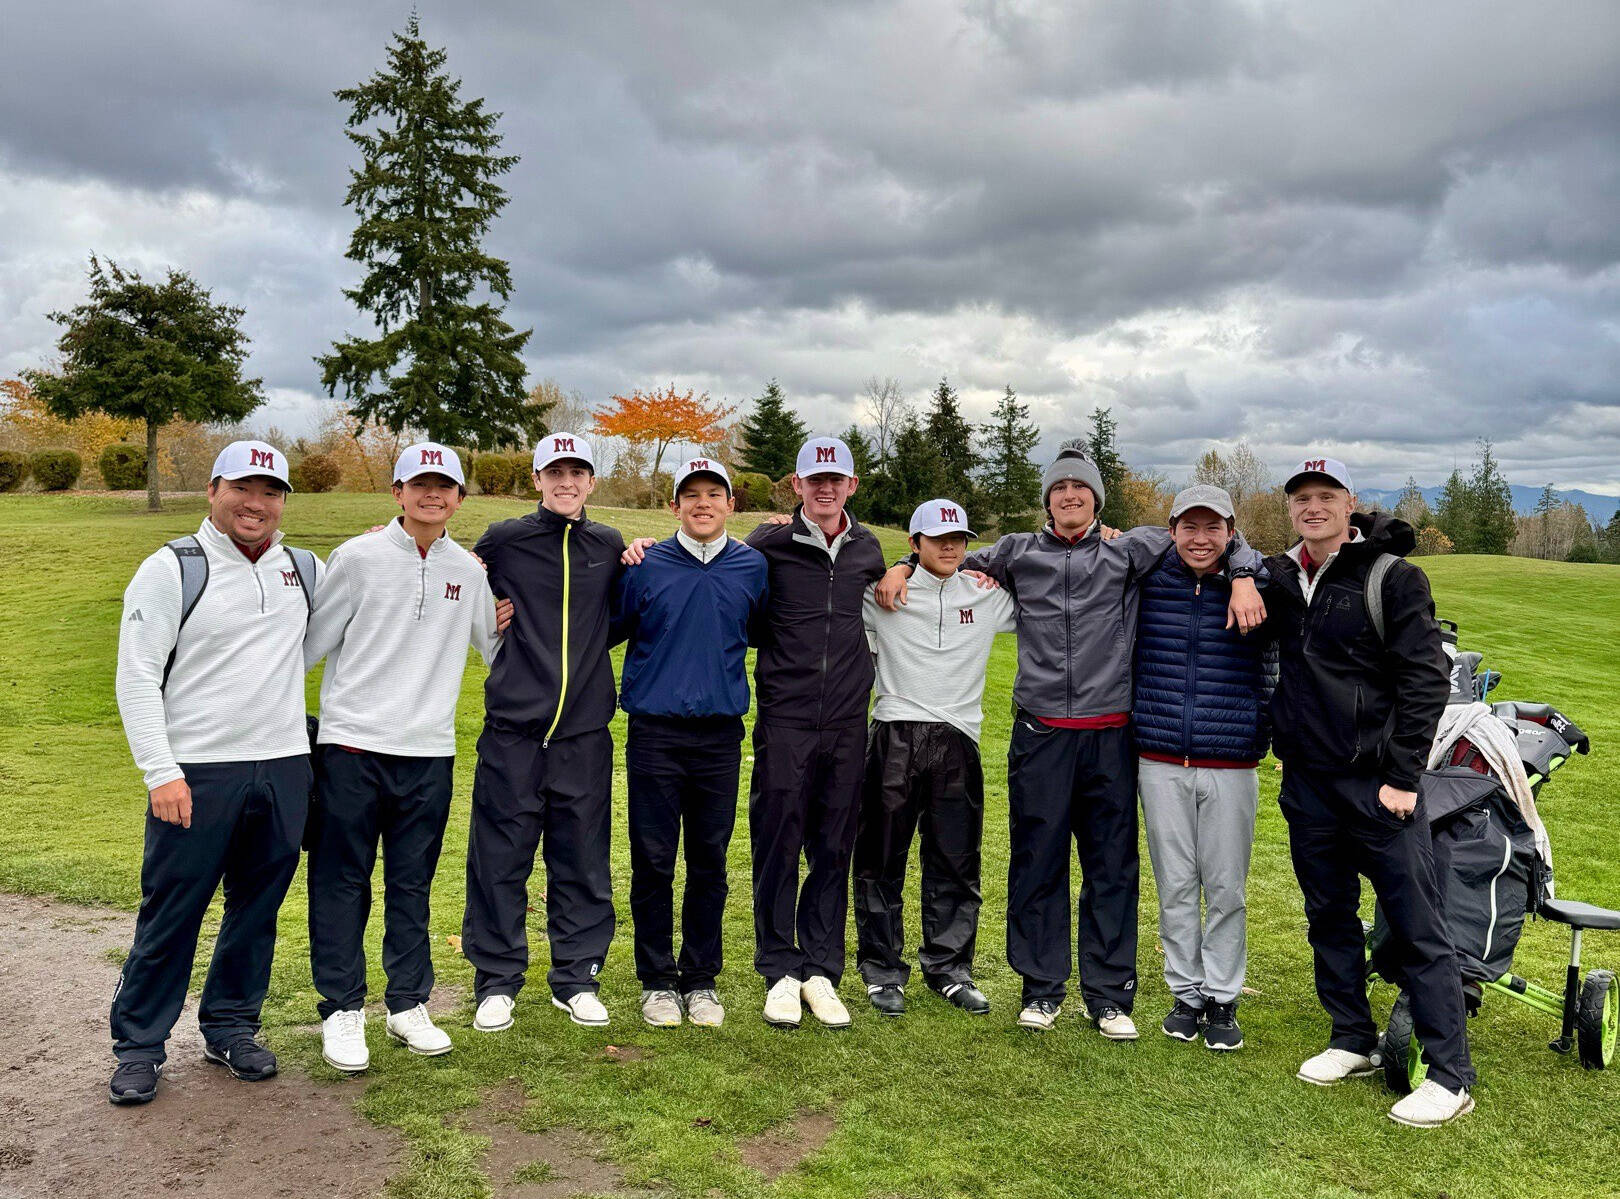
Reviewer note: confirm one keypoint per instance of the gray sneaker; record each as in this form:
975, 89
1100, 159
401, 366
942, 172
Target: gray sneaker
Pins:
661, 1009
703, 1009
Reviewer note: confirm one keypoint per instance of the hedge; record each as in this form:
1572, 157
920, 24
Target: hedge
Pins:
13, 469
56, 470
123, 467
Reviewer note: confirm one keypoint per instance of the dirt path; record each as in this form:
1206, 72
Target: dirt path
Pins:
204, 1135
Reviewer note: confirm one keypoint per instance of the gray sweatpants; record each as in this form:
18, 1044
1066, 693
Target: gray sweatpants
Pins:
1200, 829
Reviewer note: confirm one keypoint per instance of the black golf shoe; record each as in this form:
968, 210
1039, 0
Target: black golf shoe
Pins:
134, 1082
965, 996
888, 999
1184, 1022
1221, 1029
244, 1057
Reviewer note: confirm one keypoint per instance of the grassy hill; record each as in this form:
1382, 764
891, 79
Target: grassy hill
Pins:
936, 1104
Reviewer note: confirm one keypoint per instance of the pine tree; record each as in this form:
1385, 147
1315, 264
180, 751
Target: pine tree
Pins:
1491, 501
444, 362
1411, 506
1110, 466
1453, 516
1611, 538
772, 435
863, 456
912, 476
1009, 483
952, 437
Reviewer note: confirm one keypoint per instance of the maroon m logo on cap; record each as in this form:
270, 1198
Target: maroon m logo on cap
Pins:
699, 464
1316, 464
560, 445
262, 458
826, 453
432, 458
949, 516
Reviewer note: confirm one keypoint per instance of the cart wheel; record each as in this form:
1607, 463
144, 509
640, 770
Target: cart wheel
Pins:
1404, 1068
1597, 1019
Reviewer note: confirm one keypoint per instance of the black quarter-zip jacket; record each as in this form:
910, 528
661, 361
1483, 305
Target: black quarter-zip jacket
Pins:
553, 677
1345, 700
814, 669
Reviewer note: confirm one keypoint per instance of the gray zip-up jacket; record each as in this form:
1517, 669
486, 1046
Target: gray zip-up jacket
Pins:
1077, 607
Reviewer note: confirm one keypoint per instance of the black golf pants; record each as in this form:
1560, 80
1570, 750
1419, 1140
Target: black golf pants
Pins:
1078, 783
683, 777
403, 802
247, 819
802, 799
1338, 832
927, 774
558, 799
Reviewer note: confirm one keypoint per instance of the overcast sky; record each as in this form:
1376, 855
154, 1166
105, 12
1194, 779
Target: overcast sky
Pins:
1383, 229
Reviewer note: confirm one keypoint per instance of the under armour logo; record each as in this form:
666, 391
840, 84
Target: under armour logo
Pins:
1316, 464
262, 458
949, 516
432, 458
290, 578
136, 615
964, 616
452, 591
562, 444
826, 453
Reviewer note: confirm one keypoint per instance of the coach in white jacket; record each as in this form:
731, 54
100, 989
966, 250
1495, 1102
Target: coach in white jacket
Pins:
211, 691
394, 617
922, 767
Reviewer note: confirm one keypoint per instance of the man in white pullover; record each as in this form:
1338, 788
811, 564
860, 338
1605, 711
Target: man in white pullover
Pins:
394, 617
211, 690
922, 766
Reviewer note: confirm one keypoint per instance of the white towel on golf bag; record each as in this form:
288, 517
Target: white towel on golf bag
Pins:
1498, 744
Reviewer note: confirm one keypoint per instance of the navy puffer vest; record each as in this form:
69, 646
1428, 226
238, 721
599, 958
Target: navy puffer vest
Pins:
1201, 688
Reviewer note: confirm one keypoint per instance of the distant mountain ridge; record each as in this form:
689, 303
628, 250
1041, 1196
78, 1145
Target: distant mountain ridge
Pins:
1598, 507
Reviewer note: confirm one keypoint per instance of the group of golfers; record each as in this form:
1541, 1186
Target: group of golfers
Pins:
1155, 667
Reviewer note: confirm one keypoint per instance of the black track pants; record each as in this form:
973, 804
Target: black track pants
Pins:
247, 819
557, 798
1338, 832
682, 784
802, 800
403, 803
927, 774
1078, 783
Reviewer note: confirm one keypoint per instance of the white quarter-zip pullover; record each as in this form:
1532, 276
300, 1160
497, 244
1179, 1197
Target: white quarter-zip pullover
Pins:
931, 653
394, 628
236, 693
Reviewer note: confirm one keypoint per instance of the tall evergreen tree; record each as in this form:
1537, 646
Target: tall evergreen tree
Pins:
864, 457
912, 476
1491, 504
1411, 506
772, 435
1009, 483
1110, 466
953, 444
444, 361
1453, 513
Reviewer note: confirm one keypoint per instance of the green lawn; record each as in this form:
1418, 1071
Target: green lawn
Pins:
936, 1104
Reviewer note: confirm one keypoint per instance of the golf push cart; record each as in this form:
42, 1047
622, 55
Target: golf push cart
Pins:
1487, 771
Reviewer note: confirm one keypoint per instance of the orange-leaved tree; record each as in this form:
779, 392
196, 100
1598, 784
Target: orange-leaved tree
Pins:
660, 419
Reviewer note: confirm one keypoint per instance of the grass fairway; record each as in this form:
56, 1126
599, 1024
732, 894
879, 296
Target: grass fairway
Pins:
936, 1104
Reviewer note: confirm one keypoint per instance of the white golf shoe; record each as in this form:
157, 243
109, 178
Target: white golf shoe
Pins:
494, 1013
416, 1029
1040, 1015
782, 1006
823, 1002
583, 1008
343, 1042
1431, 1105
661, 1009
1334, 1066
704, 1010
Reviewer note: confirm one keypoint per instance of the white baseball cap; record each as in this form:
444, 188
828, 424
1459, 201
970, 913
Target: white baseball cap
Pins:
824, 456
245, 459
1329, 468
554, 447
429, 458
700, 466
936, 518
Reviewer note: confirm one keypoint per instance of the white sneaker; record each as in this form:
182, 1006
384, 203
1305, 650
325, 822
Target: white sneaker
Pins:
703, 1009
1431, 1105
1041, 1015
416, 1028
661, 1009
584, 1008
343, 1041
494, 1013
782, 1006
824, 1003
1334, 1066
1115, 1024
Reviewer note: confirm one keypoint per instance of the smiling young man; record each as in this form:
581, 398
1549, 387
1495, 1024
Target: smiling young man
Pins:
545, 757
1354, 716
814, 678
1199, 712
211, 690
688, 611
396, 612
1071, 768
922, 768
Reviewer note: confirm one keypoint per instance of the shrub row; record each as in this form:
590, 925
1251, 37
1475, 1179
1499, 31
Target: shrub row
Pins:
53, 470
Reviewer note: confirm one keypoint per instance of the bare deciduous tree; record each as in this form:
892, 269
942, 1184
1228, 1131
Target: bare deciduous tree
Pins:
885, 410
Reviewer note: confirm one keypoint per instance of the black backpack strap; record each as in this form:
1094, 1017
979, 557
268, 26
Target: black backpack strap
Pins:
1374, 595
193, 582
